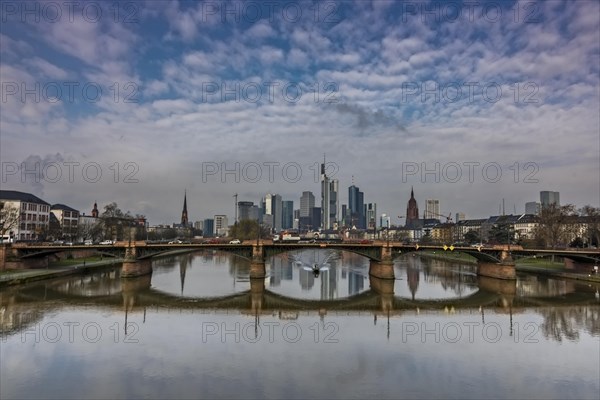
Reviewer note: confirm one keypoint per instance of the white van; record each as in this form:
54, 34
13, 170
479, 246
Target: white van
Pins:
6, 239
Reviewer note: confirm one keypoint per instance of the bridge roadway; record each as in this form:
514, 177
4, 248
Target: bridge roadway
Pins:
374, 251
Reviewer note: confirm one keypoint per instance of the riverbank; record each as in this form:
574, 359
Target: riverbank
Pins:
530, 266
67, 267
21, 276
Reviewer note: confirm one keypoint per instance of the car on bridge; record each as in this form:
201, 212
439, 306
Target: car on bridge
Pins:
104, 242
235, 241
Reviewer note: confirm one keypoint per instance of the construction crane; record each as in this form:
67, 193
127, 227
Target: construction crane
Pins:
448, 218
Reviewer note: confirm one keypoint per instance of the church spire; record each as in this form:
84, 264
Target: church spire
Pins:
184, 213
95, 210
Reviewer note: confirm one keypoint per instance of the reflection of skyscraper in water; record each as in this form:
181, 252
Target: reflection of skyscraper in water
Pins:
412, 277
329, 282
307, 279
355, 283
287, 270
276, 271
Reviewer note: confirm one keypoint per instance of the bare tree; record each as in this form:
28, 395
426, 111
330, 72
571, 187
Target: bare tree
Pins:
114, 221
9, 218
555, 224
592, 218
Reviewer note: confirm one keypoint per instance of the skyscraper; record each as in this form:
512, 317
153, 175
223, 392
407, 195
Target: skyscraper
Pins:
325, 199
432, 209
244, 210
334, 203
385, 221
532, 207
287, 214
273, 207
547, 198
371, 216
356, 207
412, 211
221, 225
307, 201
209, 227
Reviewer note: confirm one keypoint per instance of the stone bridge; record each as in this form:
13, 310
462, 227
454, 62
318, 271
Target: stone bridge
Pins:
495, 261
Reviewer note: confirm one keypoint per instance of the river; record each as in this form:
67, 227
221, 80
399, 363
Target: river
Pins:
199, 327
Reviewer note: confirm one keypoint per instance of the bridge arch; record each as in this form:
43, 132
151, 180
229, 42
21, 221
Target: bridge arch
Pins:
479, 256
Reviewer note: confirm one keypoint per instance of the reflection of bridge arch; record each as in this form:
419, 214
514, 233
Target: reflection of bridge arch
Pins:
367, 300
479, 256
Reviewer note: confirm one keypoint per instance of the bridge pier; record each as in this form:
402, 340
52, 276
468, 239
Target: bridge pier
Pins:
506, 288
381, 270
257, 291
130, 289
385, 289
501, 270
136, 268
258, 254
386, 255
257, 270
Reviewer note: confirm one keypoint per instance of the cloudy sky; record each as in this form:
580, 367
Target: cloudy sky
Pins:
135, 102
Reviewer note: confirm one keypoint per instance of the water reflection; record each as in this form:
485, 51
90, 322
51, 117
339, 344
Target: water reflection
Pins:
199, 324
340, 274
219, 281
201, 274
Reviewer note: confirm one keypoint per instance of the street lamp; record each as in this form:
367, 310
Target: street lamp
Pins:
258, 231
388, 232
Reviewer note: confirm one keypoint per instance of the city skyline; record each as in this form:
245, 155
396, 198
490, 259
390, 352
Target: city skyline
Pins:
135, 109
247, 210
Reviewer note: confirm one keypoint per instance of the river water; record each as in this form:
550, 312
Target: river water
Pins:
198, 327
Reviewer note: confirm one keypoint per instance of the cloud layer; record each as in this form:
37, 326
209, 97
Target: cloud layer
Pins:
152, 94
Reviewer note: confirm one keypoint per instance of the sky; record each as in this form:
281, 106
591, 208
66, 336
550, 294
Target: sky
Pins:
138, 102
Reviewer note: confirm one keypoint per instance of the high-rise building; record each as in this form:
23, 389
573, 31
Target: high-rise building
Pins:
273, 207
221, 225
287, 214
460, 217
412, 211
432, 209
315, 218
245, 210
356, 207
385, 221
532, 207
307, 201
344, 215
371, 216
209, 227
334, 203
547, 198
328, 199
